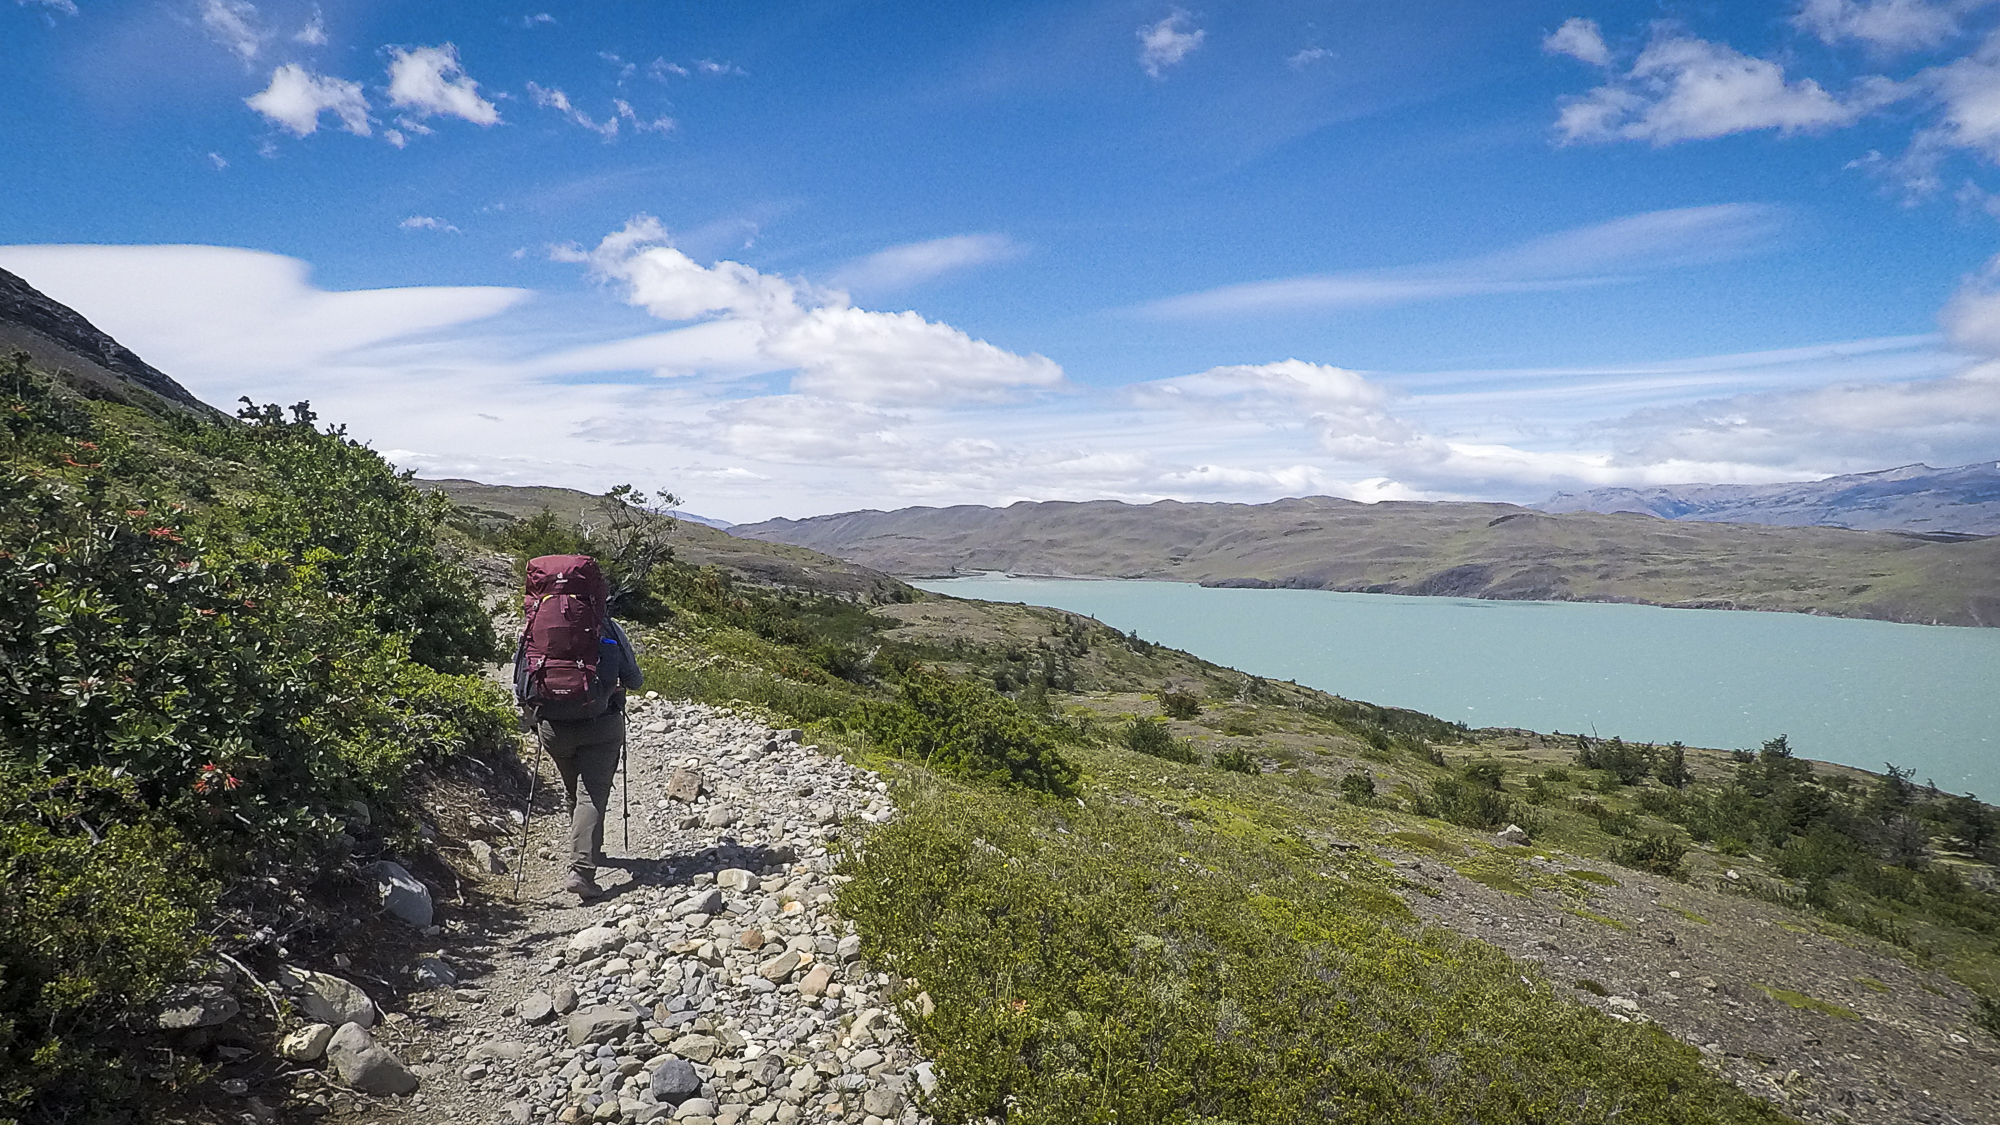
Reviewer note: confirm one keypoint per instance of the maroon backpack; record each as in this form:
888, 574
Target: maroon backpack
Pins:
559, 671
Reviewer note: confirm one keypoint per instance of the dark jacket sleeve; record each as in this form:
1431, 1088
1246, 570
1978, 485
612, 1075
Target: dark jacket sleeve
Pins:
629, 675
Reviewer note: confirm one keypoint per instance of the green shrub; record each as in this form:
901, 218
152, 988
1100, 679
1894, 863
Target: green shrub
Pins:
1183, 705
1658, 853
1625, 764
1986, 1014
100, 908
1486, 772
1234, 760
1358, 788
212, 634
967, 730
1147, 737
332, 504
1470, 805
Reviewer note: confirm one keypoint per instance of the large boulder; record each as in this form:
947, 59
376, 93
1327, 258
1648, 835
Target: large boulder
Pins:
601, 1025
367, 1066
403, 895
326, 998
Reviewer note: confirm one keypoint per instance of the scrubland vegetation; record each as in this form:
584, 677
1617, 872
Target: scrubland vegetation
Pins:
214, 638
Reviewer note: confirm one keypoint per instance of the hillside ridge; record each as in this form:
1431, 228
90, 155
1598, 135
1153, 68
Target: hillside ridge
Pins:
1478, 550
59, 339
1964, 500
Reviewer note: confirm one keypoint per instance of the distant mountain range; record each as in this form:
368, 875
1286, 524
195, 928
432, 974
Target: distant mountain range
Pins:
1917, 498
1497, 551
58, 339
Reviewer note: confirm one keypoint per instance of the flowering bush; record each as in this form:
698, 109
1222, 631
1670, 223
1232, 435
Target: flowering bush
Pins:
209, 639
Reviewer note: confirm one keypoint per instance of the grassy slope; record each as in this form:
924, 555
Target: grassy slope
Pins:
1466, 550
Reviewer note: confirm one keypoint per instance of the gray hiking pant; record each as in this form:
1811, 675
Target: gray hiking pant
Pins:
586, 752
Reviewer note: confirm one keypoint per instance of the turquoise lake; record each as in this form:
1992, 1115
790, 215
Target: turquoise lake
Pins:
1856, 692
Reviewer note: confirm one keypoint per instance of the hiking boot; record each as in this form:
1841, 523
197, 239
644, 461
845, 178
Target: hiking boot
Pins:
580, 884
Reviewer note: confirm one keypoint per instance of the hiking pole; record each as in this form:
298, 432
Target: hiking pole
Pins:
625, 768
528, 813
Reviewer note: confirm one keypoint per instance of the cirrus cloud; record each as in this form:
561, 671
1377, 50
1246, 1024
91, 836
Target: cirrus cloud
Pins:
1598, 254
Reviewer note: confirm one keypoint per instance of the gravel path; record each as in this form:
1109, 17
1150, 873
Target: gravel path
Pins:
712, 985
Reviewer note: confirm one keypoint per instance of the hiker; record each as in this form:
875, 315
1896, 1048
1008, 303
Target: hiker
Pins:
571, 671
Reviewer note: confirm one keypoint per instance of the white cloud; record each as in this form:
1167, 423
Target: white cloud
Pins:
1306, 56
215, 159
1884, 24
430, 80
1580, 39
1969, 91
313, 34
536, 20
916, 262
1840, 427
622, 113
1972, 319
1596, 254
296, 97
427, 222
660, 68
1168, 42
67, 7
1682, 88
223, 320
710, 66
230, 22
549, 97
432, 375
836, 350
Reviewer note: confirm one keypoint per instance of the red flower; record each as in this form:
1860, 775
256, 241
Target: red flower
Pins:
213, 775
164, 533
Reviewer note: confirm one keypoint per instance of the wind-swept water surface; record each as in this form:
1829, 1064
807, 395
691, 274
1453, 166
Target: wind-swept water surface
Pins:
1856, 692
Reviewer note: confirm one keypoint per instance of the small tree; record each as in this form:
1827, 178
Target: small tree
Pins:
633, 538
1674, 771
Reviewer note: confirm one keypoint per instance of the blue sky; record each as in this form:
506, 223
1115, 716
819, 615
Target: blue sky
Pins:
800, 258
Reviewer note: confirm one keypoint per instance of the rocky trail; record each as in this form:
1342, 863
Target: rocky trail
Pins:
710, 985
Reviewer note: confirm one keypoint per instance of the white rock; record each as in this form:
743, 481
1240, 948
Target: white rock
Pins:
306, 1044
